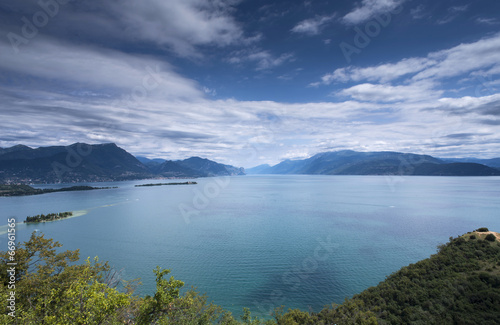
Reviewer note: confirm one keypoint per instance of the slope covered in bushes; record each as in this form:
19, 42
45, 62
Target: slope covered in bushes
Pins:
460, 284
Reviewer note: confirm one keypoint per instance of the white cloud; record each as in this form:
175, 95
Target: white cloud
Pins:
487, 21
383, 73
238, 132
453, 13
312, 26
209, 91
460, 60
90, 69
463, 58
418, 12
369, 9
181, 24
387, 93
263, 59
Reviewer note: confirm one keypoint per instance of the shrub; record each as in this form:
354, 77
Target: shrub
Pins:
483, 229
490, 237
472, 237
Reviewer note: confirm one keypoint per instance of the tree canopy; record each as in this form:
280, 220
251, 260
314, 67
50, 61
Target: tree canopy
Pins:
460, 284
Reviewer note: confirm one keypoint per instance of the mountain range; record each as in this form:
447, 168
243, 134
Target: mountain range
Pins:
82, 162
191, 167
348, 162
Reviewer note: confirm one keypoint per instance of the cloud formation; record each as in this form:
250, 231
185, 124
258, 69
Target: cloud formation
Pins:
153, 77
182, 24
452, 13
263, 59
369, 9
388, 93
459, 60
312, 26
95, 69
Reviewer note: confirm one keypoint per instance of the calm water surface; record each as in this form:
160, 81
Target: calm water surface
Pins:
265, 241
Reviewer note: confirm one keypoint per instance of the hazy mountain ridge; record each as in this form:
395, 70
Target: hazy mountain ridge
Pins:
190, 167
81, 162
348, 162
493, 162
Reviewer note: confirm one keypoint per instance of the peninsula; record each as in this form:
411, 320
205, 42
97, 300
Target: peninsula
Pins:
22, 190
163, 184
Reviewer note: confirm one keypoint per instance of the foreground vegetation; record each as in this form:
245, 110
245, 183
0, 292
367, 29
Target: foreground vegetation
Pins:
458, 285
22, 190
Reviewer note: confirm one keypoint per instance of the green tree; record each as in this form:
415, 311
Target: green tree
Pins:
50, 289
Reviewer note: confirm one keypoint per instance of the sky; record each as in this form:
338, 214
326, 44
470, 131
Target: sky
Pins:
247, 82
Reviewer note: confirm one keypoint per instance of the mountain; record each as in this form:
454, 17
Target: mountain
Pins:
19, 147
494, 162
172, 169
261, 169
81, 162
192, 167
147, 161
75, 163
455, 169
348, 162
152, 164
210, 168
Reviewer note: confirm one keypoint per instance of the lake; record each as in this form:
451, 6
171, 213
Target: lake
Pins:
265, 241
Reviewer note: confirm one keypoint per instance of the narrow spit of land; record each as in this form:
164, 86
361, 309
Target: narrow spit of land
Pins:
163, 184
48, 217
22, 190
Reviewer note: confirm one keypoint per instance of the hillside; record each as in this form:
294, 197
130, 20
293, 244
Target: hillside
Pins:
190, 167
349, 162
81, 162
75, 163
22, 190
209, 168
460, 284
494, 162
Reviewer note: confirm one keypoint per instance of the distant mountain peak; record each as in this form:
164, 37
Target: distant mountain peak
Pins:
195, 158
19, 147
104, 162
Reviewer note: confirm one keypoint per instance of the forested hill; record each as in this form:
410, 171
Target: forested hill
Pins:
82, 162
460, 284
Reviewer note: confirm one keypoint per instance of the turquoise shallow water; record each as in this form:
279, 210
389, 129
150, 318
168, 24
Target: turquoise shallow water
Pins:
265, 241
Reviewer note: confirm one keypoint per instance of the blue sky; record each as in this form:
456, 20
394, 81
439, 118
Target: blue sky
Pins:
246, 82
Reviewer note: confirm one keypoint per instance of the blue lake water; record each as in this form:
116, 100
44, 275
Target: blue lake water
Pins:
266, 241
